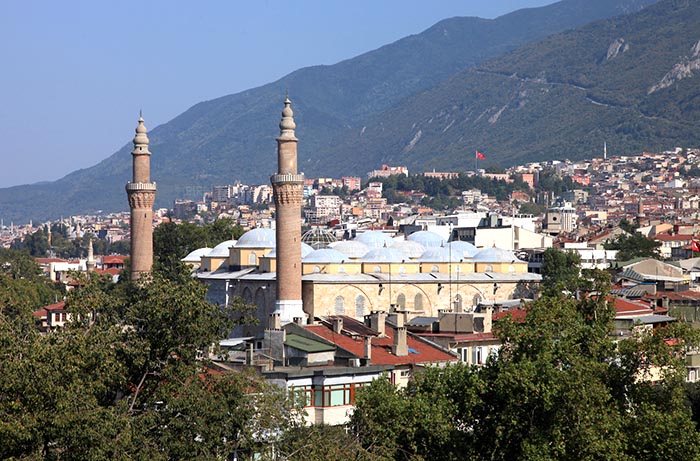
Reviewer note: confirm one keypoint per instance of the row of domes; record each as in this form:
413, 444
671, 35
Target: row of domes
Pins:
370, 246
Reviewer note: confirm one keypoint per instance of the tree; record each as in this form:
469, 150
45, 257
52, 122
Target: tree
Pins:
561, 388
561, 271
123, 380
634, 245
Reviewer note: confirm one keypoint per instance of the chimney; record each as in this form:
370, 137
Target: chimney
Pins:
368, 349
488, 319
249, 354
337, 325
400, 347
397, 319
274, 321
299, 320
376, 322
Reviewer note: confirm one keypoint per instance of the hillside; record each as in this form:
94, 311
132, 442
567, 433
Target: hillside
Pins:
631, 81
230, 138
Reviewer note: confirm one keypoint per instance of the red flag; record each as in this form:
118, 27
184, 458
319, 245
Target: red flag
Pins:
480, 156
695, 245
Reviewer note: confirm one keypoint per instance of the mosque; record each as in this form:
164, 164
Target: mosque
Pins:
287, 279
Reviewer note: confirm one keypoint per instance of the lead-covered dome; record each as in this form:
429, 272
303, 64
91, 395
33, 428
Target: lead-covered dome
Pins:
384, 255
305, 250
257, 238
465, 249
325, 255
427, 238
495, 255
196, 255
440, 255
221, 250
409, 248
351, 248
375, 239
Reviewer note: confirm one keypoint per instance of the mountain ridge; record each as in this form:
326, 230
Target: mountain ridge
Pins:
232, 137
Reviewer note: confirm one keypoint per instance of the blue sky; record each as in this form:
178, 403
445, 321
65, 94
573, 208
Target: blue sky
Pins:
76, 73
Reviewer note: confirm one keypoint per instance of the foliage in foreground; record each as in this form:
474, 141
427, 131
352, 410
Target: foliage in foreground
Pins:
127, 385
561, 388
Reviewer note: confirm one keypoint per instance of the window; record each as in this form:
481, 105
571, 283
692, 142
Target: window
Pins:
335, 396
303, 394
339, 305
402, 269
359, 306
317, 269
418, 302
435, 269
477, 356
253, 259
458, 303
489, 268
377, 269
401, 301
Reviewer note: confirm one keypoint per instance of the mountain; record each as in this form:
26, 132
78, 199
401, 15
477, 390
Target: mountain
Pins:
632, 81
230, 138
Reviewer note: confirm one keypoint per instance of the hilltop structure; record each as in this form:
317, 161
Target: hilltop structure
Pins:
142, 193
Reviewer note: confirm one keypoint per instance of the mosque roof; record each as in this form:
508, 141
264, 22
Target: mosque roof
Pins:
495, 255
427, 239
221, 250
305, 250
325, 255
375, 239
388, 255
467, 249
257, 238
351, 248
440, 254
318, 237
409, 248
196, 255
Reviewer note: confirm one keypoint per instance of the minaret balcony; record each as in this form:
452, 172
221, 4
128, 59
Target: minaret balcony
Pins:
287, 178
136, 186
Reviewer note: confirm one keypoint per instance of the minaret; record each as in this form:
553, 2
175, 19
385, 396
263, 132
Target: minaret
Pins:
287, 185
142, 194
90, 263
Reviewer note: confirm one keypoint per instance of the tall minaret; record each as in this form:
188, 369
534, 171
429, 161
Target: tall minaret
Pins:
287, 185
142, 194
90, 262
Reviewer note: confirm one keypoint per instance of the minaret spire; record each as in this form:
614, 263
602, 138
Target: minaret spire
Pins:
142, 193
287, 185
90, 263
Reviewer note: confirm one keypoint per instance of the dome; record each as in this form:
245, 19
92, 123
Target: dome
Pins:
375, 239
427, 239
221, 250
409, 248
318, 237
257, 238
325, 255
464, 249
196, 255
440, 255
384, 255
350, 248
495, 255
305, 250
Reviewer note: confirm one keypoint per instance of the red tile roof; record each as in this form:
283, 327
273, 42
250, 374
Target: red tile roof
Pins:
418, 351
59, 306
627, 307
115, 259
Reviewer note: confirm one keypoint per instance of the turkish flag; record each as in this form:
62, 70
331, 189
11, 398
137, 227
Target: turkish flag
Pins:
695, 245
480, 156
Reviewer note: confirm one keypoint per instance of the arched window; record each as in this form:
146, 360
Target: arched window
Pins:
401, 301
489, 268
317, 269
377, 269
339, 305
260, 300
418, 302
476, 300
247, 296
341, 269
359, 307
459, 305
435, 269
253, 259
402, 269
511, 268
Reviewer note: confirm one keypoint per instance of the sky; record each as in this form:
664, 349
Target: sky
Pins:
76, 73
